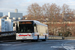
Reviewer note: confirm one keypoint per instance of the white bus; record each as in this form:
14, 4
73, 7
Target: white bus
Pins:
31, 30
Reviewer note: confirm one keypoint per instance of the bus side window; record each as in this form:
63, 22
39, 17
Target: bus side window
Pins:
13, 24
46, 30
35, 28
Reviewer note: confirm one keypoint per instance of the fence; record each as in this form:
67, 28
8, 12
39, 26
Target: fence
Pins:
55, 37
5, 36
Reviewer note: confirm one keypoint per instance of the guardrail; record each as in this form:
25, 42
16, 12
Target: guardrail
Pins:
7, 32
69, 38
55, 37
59, 37
9, 35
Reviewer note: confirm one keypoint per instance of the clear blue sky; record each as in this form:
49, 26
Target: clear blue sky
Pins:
10, 5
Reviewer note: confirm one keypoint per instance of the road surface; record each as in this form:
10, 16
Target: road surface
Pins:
41, 45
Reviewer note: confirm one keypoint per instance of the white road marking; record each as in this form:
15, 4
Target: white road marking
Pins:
12, 44
65, 46
5, 44
19, 44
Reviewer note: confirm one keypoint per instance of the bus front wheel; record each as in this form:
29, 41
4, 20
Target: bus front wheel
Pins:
45, 38
22, 40
37, 38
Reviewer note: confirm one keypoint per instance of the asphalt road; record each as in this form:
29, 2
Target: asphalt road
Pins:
41, 45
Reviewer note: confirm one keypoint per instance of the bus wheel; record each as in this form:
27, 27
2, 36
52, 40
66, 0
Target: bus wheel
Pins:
45, 38
22, 40
37, 38
32, 40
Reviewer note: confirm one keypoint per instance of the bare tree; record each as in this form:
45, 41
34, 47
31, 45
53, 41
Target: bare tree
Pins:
46, 10
34, 10
52, 13
55, 11
65, 14
65, 10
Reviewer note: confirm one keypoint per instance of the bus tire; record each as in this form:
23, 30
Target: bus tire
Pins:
32, 40
45, 38
37, 38
22, 40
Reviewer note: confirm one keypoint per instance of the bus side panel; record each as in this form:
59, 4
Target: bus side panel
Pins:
43, 31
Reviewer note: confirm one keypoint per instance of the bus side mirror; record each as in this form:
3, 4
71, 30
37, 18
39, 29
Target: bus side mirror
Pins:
34, 24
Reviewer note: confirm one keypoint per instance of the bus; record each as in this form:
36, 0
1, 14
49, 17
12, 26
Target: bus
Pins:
26, 30
31, 30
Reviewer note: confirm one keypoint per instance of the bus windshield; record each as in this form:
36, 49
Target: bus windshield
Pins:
25, 28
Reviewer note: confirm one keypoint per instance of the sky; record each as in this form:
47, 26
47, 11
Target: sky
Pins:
10, 5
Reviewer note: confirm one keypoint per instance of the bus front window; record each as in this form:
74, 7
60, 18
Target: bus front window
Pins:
25, 28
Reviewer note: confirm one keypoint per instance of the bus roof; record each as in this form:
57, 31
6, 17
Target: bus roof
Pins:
37, 22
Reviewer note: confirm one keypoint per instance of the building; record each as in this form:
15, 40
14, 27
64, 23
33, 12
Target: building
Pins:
15, 15
9, 25
7, 22
6, 25
1, 14
2, 25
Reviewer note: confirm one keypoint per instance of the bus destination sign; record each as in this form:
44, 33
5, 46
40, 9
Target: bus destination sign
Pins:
25, 22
